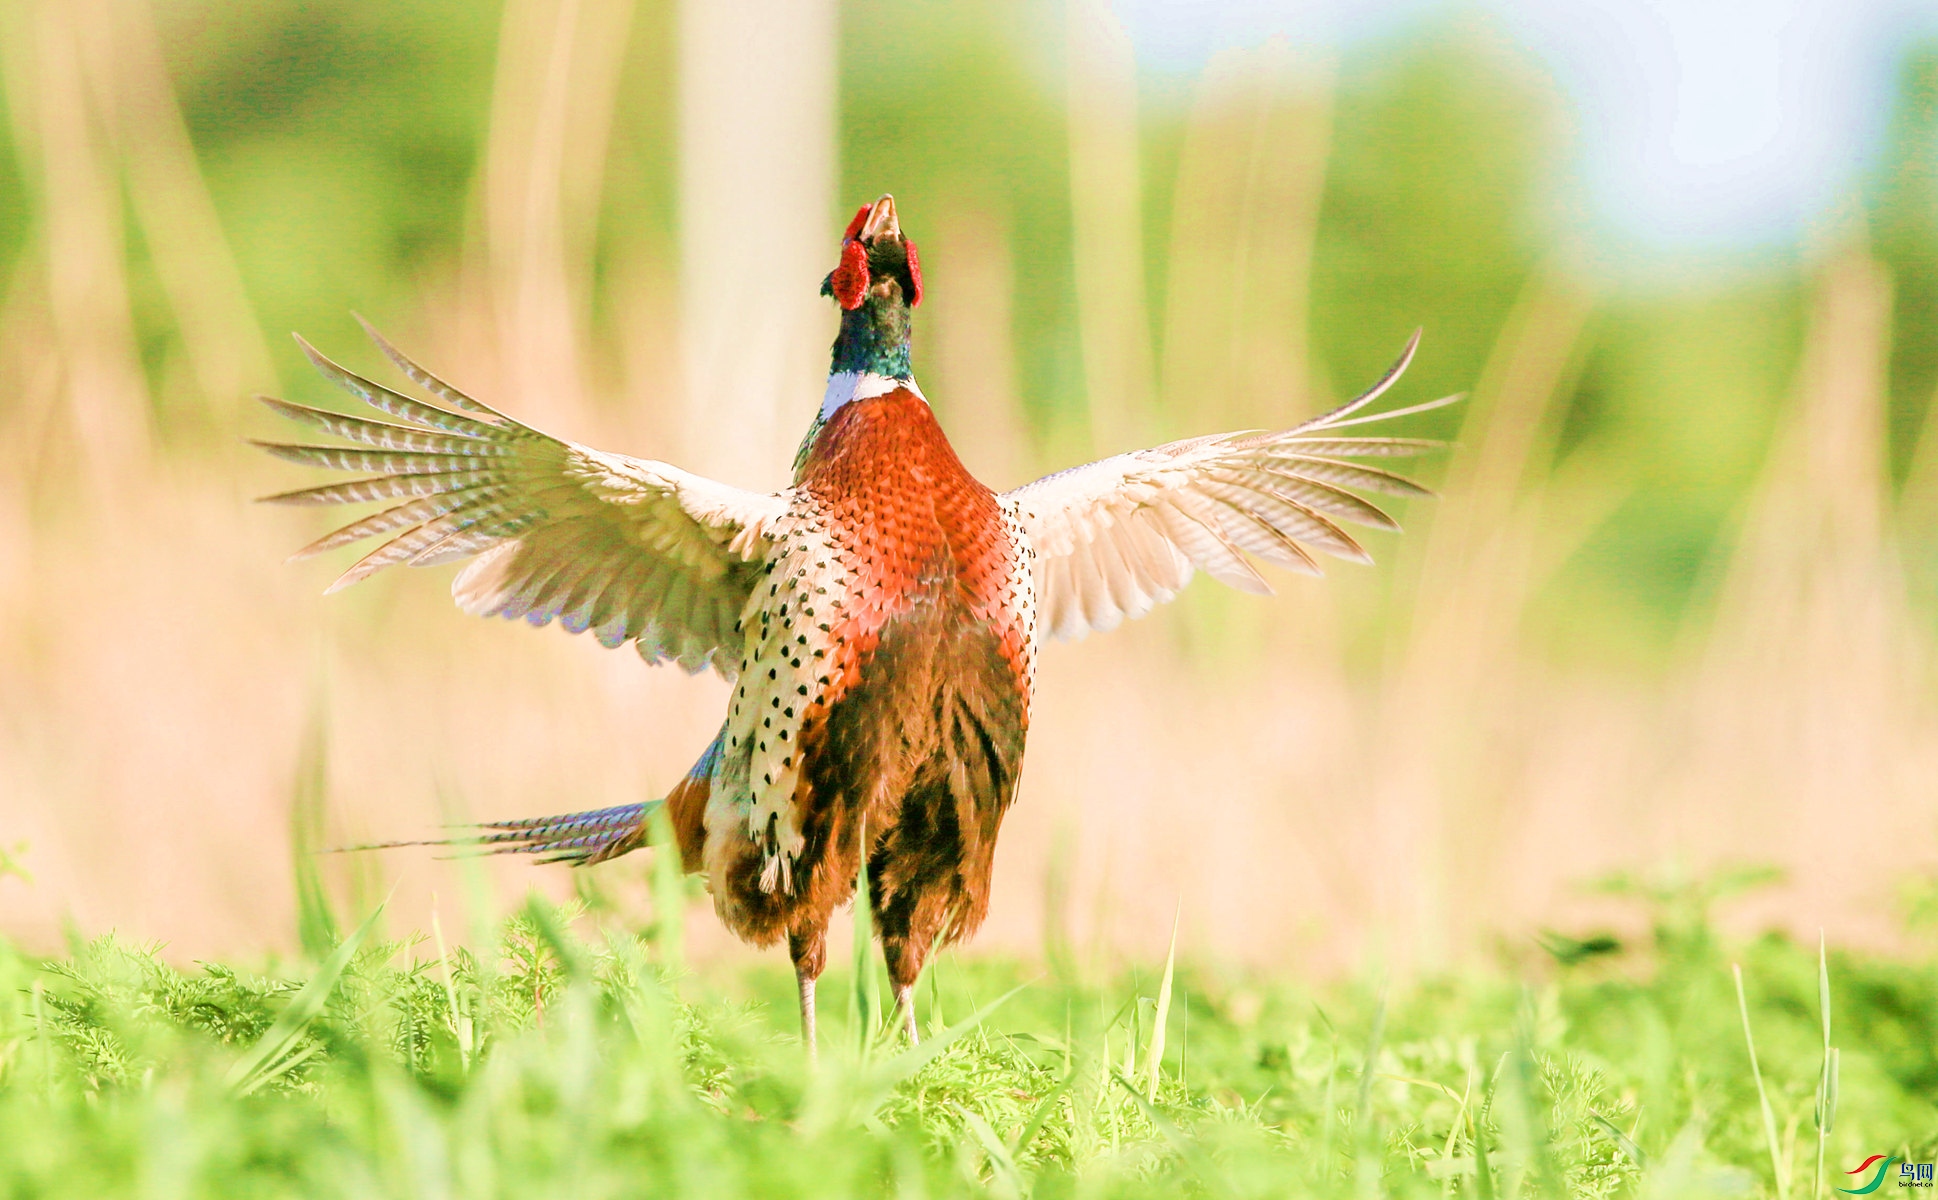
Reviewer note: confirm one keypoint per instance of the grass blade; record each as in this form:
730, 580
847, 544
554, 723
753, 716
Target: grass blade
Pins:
1429, 1084
1524, 1128
460, 1024
1460, 1121
913, 1059
1041, 1116
1372, 1057
1002, 1164
1826, 1110
317, 929
1622, 1141
1188, 1149
1154, 1056
865, 1090
669, 894
1366, 1167
1763, 1096
1329, 1126
1483, 1170
269, 1057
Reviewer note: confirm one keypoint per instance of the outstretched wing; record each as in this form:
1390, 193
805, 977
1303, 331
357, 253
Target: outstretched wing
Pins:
1116, 537
632, 549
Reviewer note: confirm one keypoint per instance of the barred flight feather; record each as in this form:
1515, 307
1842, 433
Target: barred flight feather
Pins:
413, 512
1253, 533
1210, 502
1303, 524
1224, 560
1380, 385
456, 547
400, 549
429, 382
1324, 498
1328, 470
387, 487
1309, 525
557, 531
1371, 447
382, 434
380, 397
388, 462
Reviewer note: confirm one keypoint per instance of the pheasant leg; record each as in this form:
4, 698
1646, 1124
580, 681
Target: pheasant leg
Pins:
905, 1009
807, 1014
810, 953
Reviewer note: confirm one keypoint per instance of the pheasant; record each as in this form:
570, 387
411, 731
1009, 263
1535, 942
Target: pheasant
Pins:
879, 618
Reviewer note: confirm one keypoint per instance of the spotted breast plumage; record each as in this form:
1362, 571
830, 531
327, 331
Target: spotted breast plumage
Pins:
879, 618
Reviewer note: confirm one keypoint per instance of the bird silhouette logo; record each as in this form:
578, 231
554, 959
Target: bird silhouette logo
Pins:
1883, 1163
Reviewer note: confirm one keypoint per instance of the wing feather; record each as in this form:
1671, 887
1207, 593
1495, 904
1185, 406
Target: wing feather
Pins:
384, 400
383, 487
1369, 479
387, 462
1367, 447
414, 512
1223, 560
381, 434
1325, 498
1122, 534
636, 549
429, 382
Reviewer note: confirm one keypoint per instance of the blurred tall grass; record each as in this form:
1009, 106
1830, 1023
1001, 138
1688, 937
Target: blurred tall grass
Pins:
1672, 610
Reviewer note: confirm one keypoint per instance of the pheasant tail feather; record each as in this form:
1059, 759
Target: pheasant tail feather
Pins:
580, 838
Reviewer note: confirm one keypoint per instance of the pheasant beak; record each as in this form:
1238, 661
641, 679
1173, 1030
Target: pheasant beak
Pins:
880, 221
876, 223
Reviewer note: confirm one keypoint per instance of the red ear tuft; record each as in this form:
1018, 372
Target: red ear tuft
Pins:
854, 226
851, 277
914, 273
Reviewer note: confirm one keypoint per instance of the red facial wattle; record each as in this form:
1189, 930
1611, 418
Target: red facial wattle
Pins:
914, 274
850, 279
854, 226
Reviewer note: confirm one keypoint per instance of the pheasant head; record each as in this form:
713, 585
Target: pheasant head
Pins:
877, 283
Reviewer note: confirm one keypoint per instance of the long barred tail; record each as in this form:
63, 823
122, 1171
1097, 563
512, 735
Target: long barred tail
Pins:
580, 838
585, 838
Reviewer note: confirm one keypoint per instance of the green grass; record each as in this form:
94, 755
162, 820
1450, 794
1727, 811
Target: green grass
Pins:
574, 1061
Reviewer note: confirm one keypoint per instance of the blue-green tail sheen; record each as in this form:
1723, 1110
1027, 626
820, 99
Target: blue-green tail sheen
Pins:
580, 838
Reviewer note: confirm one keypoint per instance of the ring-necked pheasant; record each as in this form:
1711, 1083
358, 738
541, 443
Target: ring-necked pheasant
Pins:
880, 617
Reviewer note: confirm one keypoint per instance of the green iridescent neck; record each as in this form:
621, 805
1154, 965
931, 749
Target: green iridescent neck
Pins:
874, 338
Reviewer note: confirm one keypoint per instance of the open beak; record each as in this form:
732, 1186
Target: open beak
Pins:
881, 221
848, 283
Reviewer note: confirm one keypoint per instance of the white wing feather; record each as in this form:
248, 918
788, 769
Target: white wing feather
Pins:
637, 550
1116, 537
